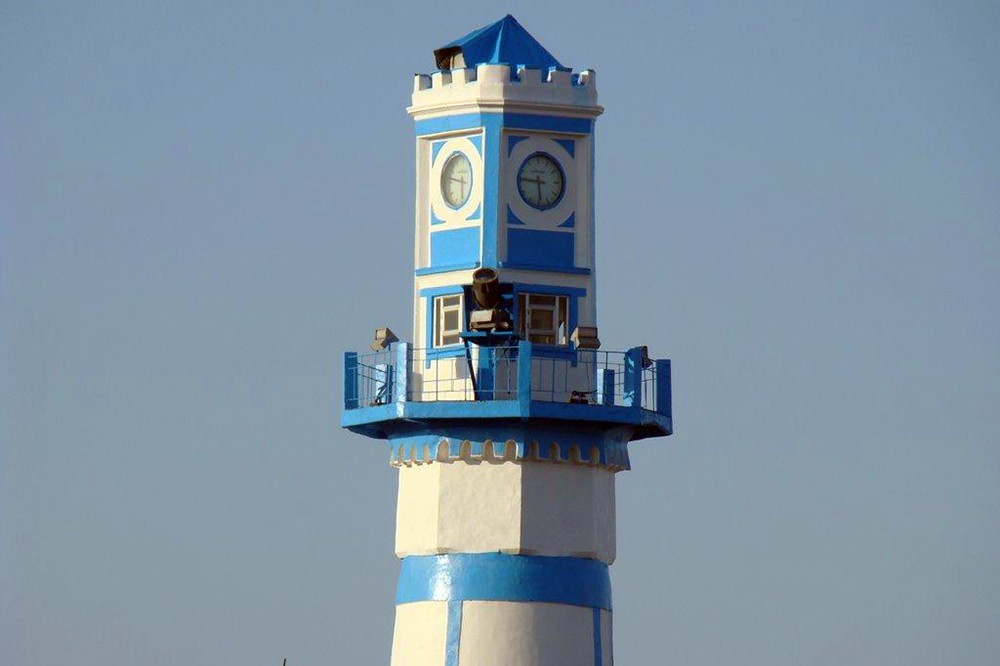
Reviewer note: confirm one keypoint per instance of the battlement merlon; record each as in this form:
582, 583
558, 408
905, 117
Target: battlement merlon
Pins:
493, 88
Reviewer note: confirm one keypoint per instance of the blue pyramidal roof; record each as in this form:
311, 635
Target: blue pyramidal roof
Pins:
504, 42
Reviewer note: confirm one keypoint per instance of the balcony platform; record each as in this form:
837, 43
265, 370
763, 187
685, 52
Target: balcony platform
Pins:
406, 390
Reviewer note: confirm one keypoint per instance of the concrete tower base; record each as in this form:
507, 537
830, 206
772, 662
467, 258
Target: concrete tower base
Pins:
505, 561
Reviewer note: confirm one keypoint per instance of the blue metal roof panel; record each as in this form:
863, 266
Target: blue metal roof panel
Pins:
504, 42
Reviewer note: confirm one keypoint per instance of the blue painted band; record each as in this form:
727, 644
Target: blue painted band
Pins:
571, 270
497, 577
521, 288
464, 121
433, 270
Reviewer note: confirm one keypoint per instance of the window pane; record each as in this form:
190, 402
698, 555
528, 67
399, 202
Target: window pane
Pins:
563, 321
542, 320
542, 338
447, 320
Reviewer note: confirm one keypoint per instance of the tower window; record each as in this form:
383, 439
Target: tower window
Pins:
447, 320
543, 318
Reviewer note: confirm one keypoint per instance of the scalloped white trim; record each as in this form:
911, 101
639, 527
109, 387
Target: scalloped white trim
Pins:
508, 453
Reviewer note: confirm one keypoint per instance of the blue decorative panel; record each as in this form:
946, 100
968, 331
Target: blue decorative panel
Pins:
435, 149
434, 218
477, 141
569, 145
476, 214
513, 141
511, 218
570, 221
539, 248
458, 246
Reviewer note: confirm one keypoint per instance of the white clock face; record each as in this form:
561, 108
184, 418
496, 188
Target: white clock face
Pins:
540, 181
456, 180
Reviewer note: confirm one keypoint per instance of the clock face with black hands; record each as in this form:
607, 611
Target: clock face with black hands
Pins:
456, 180
540, 181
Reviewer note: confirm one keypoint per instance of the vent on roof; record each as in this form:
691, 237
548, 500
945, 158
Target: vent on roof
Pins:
449, 57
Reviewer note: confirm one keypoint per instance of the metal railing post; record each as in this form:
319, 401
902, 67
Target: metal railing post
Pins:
402, 378
606, 387
524, 376
632, 390
350, 380
663, 396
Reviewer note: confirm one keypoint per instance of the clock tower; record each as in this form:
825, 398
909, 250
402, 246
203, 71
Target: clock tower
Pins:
506, 420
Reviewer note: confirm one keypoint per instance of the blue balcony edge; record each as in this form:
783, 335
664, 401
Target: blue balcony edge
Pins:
381, 421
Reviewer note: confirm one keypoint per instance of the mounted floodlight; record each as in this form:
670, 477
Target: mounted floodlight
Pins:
486, 292
489, 320
585, 337
486, 288
646, 361
383, 338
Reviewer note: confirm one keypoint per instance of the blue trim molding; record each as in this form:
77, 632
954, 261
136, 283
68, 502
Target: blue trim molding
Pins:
598, 648
571, 270
454, 633
491, 191
575, 581
448, 268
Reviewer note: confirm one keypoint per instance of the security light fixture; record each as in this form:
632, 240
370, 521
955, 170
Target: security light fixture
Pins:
585, 337
486, 293
486, 288
646, 361
383, 338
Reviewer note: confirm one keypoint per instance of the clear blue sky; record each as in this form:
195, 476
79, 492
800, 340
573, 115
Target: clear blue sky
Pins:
204, 204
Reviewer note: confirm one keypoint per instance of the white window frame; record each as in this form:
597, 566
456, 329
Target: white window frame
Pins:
442, 305
560, 306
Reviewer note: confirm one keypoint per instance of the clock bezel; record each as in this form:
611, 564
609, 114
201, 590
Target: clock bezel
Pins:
562, 174
444, 170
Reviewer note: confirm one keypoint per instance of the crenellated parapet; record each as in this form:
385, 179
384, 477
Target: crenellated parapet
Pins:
495, 87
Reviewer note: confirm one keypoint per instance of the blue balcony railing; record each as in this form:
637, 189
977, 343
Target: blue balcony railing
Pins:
522, 375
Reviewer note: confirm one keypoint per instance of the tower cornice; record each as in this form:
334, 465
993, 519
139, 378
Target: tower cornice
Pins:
495, 88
